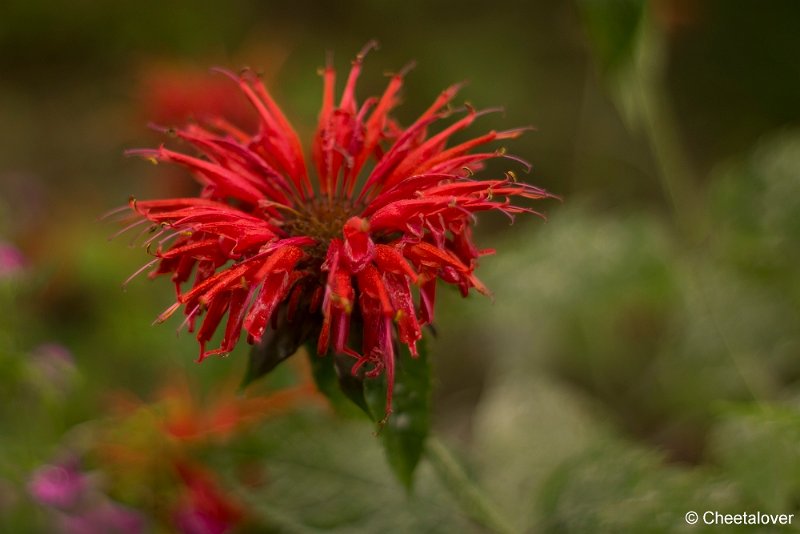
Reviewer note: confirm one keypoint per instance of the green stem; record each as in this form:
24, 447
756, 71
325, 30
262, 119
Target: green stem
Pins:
472, 499
675, 171
640, 88
679, 182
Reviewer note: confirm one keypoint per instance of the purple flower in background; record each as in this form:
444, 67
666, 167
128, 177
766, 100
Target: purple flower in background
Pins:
105, 518
53, 352
78, 504
12, 262
59, 485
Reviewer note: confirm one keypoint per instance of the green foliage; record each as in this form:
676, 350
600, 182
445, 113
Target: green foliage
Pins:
334, 379
404, 432
278, 344
757, 448
614, 487
613, 28
756, 202
655, 339
624, 375
326, 474
628, 50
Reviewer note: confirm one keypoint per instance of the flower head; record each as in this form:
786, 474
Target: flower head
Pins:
12, 262
203, 507
60, 485
388, 216
79, 504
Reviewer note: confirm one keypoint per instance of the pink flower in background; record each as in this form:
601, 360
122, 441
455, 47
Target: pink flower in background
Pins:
60, 485
12, 262
105, 518
360, 250
77, 504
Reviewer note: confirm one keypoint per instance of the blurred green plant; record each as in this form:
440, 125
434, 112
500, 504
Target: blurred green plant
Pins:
635, 366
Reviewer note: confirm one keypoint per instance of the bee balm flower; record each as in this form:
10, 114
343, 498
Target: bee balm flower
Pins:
387, 216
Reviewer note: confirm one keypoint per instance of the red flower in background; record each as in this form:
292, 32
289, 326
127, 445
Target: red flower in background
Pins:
154, 452
204, 507
172, 93
388, 216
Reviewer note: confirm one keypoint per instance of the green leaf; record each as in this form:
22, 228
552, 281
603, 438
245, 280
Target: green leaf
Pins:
334, 380
756, 445
327, 474
278, 344
614, 486
404, 433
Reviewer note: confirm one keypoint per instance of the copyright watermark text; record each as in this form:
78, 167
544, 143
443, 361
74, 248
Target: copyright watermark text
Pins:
713, 517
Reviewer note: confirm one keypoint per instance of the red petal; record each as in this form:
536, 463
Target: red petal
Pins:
358, 246
390, 260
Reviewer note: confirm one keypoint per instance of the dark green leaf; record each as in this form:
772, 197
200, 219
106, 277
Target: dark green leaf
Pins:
278, 344
404, 433
334, 380
334, 377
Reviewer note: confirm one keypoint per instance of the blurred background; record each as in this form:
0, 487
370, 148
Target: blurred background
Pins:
641, 355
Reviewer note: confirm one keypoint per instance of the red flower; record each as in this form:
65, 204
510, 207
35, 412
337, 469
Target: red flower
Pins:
203, 508
388, 216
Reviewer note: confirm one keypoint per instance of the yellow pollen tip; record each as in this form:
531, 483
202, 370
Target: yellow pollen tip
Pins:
342, 302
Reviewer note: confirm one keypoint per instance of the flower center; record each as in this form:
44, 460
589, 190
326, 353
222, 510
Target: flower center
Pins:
322, 219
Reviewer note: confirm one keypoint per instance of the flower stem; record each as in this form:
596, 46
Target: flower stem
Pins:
675, 171
472, 499
681, 188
